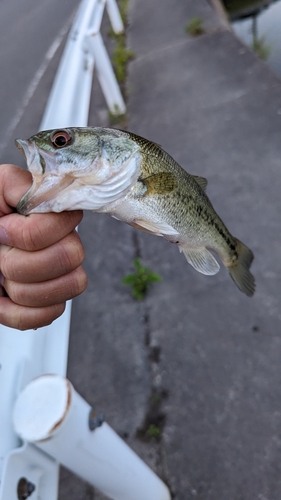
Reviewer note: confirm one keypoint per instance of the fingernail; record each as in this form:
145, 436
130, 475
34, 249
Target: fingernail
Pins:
4, 238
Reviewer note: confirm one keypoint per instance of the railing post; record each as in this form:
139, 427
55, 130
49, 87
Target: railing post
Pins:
52, 415
106, 76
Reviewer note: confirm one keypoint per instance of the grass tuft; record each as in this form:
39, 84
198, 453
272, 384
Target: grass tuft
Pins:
153, 431
141, 280
120, 57
195, 27
260, 47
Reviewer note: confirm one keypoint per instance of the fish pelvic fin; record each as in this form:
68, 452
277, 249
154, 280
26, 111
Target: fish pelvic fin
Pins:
240, 272
157, 228
201, 259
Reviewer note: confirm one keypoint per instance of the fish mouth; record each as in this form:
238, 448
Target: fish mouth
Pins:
45, 187
44, 190
22, 146
29, 151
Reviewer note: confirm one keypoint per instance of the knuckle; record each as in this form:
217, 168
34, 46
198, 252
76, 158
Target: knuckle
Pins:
53, 312
8, 263
5, 264
70, 253
77, 216
23, 321
80, 282
79, 249
9, 287
32, 237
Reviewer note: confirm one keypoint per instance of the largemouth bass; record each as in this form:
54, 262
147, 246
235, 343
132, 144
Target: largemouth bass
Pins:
135, 181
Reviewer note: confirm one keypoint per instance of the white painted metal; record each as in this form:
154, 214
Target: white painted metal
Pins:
68, 103
114, 16
31, 463
50, 413
106, 75
23, 356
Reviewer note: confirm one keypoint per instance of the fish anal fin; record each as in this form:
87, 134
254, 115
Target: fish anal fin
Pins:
201, 259
201, 181
161, 183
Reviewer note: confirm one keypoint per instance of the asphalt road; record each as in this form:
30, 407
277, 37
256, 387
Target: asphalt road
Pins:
30, 34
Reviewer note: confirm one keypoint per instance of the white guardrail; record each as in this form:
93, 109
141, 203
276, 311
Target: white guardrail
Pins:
44, 422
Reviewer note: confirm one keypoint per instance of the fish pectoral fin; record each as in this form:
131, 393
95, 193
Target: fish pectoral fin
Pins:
161, 183
157, 228
201, 259
201, 181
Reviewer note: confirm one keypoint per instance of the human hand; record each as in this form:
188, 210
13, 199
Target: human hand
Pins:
40, 258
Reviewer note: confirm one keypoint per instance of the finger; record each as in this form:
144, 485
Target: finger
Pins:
14, 182
24, 318
30, 267
47, 293
37, 231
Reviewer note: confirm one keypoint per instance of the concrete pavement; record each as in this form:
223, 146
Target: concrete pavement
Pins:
30, 33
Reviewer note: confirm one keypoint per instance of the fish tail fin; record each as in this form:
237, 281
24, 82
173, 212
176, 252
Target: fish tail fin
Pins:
240, 272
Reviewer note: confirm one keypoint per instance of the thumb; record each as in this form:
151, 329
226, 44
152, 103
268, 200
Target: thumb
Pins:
14, 182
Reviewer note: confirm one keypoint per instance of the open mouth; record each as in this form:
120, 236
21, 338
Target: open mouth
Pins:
45, 187
43, 191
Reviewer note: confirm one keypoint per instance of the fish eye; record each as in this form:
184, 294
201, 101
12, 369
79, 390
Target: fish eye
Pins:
61, 138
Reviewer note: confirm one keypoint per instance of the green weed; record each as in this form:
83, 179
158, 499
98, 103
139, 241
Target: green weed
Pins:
120, 57
141, 280
153, 432
123, 9
260, 47
195, 27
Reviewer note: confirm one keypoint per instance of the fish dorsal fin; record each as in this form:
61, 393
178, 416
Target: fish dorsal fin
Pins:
201, 181
148, 146
201, 259
157, 228
161, 183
